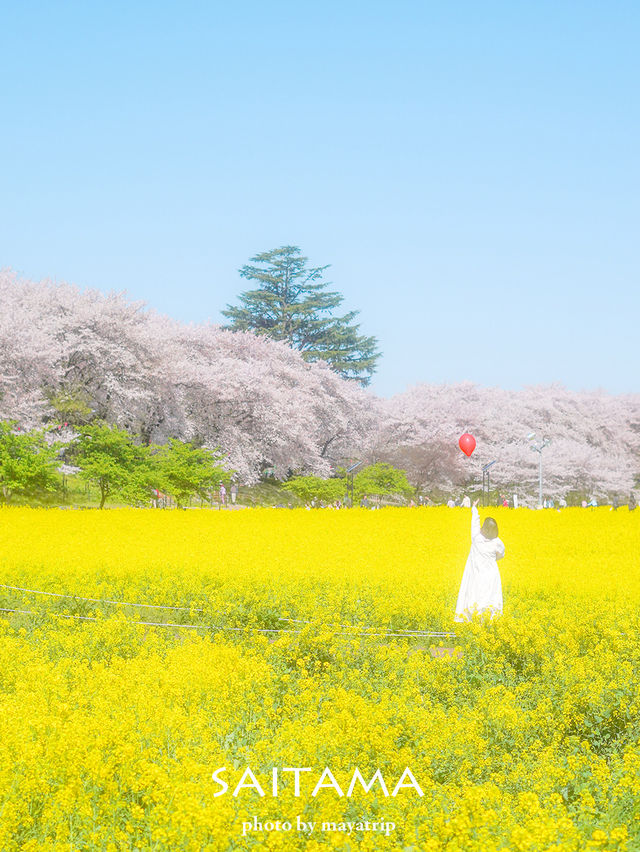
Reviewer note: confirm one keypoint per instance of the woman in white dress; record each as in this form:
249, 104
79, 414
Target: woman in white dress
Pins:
481, 588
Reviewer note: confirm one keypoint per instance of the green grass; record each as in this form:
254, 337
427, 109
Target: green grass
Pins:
73, 492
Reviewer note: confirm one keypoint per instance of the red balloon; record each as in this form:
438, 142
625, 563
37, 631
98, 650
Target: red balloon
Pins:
467, 443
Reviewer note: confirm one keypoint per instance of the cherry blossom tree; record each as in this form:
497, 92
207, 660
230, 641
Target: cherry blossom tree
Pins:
595, 437
75, 356
254, 398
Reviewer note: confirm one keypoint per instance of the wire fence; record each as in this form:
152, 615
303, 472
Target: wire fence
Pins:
350, 630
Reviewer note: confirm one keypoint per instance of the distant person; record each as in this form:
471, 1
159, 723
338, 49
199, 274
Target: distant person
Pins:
632, 502
481, 587
466, 502
593, 503
505, 503
584, 504
223, 494
562, 503
364, 503
234, 492
451, 503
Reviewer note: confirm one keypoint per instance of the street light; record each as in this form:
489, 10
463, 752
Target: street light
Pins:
485, 476
538, 448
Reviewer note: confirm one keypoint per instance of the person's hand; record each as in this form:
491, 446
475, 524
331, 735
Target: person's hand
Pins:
475, 503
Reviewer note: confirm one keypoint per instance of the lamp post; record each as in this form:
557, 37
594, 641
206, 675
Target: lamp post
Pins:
485, 476
538, 448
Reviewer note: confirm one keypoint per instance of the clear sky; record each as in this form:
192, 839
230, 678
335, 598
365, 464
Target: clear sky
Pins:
469, 169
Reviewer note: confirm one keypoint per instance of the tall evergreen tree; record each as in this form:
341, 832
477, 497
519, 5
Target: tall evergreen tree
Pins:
291, 303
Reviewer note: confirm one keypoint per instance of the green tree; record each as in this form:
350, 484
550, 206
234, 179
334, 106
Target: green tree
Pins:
27, 463
308, 488
291, 303
382, 479
184, 471
109, 457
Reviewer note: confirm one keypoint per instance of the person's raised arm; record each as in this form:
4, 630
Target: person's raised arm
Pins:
475, 520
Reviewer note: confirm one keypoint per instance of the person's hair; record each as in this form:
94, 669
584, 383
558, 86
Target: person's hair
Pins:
489, 528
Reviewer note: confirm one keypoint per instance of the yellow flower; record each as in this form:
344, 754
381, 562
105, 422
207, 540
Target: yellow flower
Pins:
111, 728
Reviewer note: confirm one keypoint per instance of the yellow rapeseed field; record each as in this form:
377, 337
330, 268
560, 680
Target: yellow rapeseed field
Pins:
111, 731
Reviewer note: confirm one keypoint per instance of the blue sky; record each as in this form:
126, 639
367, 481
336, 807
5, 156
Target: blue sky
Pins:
469, 170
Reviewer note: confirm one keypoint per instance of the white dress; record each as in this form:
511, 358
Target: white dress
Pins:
481, 588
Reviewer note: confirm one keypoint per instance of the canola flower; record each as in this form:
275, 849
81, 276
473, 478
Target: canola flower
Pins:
110, 730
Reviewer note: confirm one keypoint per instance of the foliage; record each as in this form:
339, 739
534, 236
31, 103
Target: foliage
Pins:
291, 303
309, 488
110, 730
265, 406
595, 437
381, 479
378, 479
27, 462
184, 471
254, 397
109, 457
